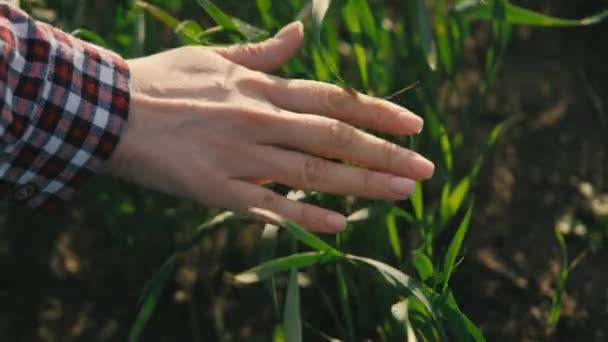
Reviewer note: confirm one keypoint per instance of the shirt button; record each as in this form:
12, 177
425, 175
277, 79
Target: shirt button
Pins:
25, 192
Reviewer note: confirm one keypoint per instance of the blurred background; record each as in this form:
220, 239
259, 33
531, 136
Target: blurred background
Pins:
519, 113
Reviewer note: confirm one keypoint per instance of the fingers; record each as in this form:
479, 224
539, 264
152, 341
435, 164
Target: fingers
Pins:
269, 54
313, 218
332, 101
330, 138
307, 172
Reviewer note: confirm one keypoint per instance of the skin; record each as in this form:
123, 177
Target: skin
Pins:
212, 126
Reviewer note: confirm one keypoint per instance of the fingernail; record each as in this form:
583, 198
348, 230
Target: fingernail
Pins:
422, 167
420, 123
402, 186
336, 221
412, 120
296, 24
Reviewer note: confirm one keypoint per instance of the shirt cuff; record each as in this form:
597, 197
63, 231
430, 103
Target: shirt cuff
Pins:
79, 107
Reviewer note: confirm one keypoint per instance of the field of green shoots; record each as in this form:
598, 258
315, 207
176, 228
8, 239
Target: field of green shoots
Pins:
174, 271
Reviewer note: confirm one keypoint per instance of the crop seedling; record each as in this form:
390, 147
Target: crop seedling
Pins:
387, 277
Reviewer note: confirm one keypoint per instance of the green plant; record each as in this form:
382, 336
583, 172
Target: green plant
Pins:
424, 46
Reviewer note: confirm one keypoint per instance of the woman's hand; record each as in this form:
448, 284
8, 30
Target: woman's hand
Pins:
209, 125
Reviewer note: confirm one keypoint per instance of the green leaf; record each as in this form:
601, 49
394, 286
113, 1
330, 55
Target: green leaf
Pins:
400, 312
393, 234
426, 35
159, 14
366, 17
264, 7
151, 295
304, 236
459, 194
351, 20
250, 32
521, 16
444, 209
458, 323
397, 279
443, 44
189, 32
454, 248
218, 15
403, 214
322, 71
282, 264
319, 10
455, 199
310, 239
292, 322
232, 24
343, 294
417, 202
423, 265
494, 135
446, 147
562, 276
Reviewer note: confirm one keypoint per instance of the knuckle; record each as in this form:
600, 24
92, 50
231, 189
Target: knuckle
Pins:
268, 201
188, 50
340, 134
312, 171
334, 97
366, 183
251, 80
252, 49
189, 106
307, 214
254, 120
391, 153
373, 119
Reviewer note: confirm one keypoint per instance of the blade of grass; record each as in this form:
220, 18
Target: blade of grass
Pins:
417, 202
400, 311
398, 279
150, 297
366, 17
292, 322
423, 265
159, 14
283, 264
522, 16
218, 15
393, 234
189, 32
426, 35
454, 248
351, 21
452, 203
264, 7
298, 232
462, 327
319, 10
343, 293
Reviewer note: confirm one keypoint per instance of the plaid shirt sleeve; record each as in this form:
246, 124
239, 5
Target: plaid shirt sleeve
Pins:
63, 105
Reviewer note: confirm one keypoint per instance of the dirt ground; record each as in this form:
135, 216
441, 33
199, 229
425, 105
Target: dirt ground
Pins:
63, 279
553, 88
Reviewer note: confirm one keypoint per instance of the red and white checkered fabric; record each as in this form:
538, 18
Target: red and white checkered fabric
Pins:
63, 105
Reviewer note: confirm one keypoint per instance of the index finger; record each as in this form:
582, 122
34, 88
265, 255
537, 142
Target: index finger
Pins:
329, 100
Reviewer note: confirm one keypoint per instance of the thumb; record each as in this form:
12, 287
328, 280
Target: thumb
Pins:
269, 54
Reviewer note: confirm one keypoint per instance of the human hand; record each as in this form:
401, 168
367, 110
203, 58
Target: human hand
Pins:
210, 125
